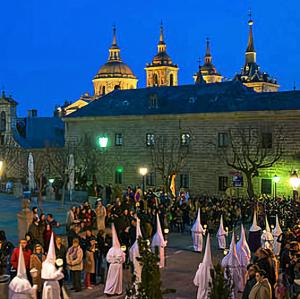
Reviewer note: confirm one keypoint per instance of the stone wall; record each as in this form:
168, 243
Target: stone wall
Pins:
204, 165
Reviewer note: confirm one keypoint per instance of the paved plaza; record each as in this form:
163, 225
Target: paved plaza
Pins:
182, 262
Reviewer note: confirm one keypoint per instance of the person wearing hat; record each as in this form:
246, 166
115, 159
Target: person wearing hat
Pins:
20, 287
36, 260
262, 288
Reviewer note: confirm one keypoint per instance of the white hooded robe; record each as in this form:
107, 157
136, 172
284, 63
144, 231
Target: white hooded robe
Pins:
267, 239
51, 275
244, 255
115, 257
159, 241
134, 253
221, 235
276, 233
203, 275
197, 234
231, 261
20, 287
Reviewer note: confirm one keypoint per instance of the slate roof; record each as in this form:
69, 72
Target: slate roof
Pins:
41, 132
231, 96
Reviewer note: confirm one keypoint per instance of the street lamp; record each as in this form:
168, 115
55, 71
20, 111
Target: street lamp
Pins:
103, 142
276, 180
143, 172
295, 182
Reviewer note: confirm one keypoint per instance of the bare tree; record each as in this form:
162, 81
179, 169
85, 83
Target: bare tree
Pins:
168, 157
250, 150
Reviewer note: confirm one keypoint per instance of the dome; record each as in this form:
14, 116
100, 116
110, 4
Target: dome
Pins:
115, 69
162, 58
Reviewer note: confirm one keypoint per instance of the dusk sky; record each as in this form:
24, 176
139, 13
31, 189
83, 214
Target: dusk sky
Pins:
50, 50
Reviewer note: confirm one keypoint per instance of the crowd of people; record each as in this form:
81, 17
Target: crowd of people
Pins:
83, 249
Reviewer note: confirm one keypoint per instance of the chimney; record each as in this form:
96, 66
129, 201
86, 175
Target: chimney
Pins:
32, 113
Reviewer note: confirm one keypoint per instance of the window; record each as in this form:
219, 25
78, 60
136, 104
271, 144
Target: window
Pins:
266, 140
223, 139
118, 139
266, 186
223, 183
185, 139
117, 87
150, 179
3, 122
150, 139
184, 181
153, 101
103, 89
118, 177
171, 80
155, 80
2, 140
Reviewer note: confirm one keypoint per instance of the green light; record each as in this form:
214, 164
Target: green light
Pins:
120, 169
276, 179
103, 141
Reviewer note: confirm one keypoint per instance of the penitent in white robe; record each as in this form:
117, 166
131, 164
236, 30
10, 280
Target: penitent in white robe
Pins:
51, 288
21, 289
221, 235
113, 286
197, 234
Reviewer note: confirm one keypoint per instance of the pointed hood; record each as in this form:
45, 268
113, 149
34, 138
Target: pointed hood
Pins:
231, 260
197, 227
242, 248
267, 225
115, 240
277, 229
221, 230
207, 256
158, 238
254, 227
20, 283
51, 256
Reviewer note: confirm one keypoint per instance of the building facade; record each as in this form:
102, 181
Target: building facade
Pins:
197, 115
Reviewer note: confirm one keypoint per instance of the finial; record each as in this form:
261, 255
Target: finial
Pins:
114, 35
207, 46
250, 22
161, 37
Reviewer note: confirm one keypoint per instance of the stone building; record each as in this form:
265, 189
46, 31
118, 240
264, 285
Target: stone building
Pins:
198, 115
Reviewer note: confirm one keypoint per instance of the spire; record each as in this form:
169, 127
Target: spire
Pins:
199, 76
161, 45
208, 58
114, 50
250, 51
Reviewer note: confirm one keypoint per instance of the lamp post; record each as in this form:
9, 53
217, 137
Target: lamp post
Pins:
103, 144
276, 180
143, 172
295, 182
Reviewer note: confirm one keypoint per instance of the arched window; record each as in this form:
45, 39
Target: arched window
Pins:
155, 80
3, 122
171, 80
117, 87
103, 89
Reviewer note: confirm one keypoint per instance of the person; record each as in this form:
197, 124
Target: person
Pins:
6, 249
262, 288
254, 235
100, 250
20, 287
51, 275
52, 221
197, 233
159, 241
221, 235
15, 257
89, 265
134, 253
100, 215
36, 231
47, 236
36, 260
75, 264
267, 239
115, 257
277, 232
251, 281
203, 275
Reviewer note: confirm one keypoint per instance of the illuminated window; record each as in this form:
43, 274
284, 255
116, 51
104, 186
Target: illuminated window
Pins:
155, 80
103, 89
118, 139
150, 139
185, 139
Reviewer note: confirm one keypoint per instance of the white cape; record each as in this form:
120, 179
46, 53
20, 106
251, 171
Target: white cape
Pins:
276, 233
197, 234
221, 235
267, 239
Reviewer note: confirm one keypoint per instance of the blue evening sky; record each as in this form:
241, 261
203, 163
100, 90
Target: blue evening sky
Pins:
50, 50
